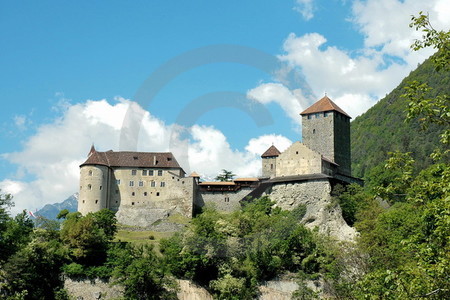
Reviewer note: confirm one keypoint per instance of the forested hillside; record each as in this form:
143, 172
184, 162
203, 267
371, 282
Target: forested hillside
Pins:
383, 129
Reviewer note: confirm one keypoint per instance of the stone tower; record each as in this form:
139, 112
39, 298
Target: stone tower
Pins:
269, 162
326, 129
94, 181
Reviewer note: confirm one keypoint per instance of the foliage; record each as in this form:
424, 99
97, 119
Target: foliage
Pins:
88, 237
142, 274
231, 253
225, 175
408, 244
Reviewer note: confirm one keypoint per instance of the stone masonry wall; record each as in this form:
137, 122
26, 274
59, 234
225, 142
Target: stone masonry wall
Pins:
223, 201
298, 159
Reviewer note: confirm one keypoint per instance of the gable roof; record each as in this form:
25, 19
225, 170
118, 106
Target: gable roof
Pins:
272, 151
131, 159
324, 104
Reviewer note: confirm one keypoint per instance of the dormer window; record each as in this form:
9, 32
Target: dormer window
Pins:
169, 158
135, 157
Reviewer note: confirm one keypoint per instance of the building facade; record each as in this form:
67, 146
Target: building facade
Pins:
150, 186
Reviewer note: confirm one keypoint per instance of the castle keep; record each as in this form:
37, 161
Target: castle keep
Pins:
144, 187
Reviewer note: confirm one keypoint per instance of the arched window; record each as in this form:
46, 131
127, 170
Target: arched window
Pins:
90, 172
89, 187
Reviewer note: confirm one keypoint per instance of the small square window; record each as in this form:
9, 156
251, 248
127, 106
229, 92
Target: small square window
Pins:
141, 183
153, 184
131, 183
133, 193
117, 181
150, 172
157, 194
144, 172
160, 172
163, 184
133, 172
145, 193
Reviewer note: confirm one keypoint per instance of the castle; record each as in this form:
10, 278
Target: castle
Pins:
144, 187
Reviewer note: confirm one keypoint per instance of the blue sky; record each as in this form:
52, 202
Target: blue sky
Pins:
216, 82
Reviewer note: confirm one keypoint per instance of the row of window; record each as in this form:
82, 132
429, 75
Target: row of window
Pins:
141, 183
148, 172
89, 187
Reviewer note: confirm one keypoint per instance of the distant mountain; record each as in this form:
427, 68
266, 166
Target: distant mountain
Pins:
383, 129
50, 211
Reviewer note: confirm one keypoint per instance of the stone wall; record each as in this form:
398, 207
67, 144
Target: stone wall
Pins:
223, 201
321, 210
269, 166
298, 159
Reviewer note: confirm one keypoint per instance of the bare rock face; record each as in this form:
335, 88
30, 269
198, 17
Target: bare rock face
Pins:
321, 210
190, 291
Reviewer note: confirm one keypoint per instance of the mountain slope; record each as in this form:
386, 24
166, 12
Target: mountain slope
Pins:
50, 211
382, 128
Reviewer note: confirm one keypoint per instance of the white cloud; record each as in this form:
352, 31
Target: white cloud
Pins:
357, 79
305, 8
21, 122
258, 146
292, 102
48, 165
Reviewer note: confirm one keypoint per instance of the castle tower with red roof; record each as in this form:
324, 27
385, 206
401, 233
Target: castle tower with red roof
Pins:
326, 129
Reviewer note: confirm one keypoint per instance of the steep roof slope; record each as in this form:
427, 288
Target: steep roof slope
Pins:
272, 151
324, 104
132, 159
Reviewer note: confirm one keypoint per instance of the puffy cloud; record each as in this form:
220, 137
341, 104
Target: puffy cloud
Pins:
357, 79
48, 165
305, 8
291, 101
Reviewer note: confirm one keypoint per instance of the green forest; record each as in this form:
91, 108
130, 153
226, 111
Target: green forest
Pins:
402, 214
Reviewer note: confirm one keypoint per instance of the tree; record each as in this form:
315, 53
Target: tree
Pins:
225, 175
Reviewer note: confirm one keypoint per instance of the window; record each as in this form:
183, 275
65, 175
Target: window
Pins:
314, 131
133, 172
157, 194
141, 183
160, 172
325, 114
169, 158
132, 203
145, 193
89, 187
296, 152
131, 183
83, 201
271, 166
317, 115
309, 117
163, 184
133, 193
153, 184
227, 199
96, 201
118, 181
90, 172
101, 188
150, 172
144, 172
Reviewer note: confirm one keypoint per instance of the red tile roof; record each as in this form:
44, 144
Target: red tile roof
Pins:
272, 151
131, 159
324, 104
